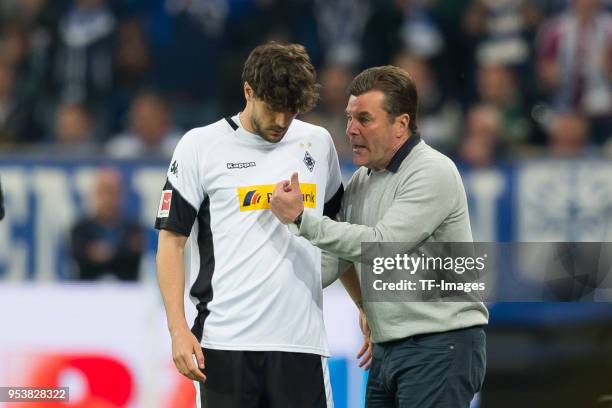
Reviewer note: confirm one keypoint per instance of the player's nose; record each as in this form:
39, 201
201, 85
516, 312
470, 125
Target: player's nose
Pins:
283, 120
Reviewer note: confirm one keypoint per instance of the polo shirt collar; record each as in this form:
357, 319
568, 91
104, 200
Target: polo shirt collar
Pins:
402, 153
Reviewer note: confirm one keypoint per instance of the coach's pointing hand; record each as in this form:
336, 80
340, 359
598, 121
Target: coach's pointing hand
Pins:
184, 346
287, 202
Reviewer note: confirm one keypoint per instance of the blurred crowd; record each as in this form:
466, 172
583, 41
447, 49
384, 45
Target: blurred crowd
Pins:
498, 79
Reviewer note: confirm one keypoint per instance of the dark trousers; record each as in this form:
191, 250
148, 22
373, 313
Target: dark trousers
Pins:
440, 370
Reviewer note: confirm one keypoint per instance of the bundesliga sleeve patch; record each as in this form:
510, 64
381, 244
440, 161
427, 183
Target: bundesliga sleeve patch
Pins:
164, 204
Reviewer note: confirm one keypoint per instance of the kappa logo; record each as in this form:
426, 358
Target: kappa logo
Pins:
251, 198
244, 165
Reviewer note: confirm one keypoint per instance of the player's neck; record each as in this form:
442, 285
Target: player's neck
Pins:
245, 119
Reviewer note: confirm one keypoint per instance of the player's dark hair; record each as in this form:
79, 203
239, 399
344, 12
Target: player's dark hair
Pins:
397, 86
282, 76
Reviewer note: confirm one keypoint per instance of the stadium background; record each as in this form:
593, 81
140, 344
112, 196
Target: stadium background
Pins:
508, 90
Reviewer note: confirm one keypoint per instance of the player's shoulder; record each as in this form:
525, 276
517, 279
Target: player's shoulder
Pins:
197, 145
207, 134
301, 128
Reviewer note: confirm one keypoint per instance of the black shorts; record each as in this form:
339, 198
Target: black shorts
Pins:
264, 379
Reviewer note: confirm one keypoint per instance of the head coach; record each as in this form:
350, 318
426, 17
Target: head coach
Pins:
425, 354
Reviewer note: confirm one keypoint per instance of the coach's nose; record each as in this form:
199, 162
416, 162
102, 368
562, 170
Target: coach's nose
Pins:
352, 128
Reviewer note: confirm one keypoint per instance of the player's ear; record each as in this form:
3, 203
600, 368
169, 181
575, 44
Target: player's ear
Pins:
248, 92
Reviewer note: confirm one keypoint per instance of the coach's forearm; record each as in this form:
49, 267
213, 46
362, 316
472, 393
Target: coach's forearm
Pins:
171, 277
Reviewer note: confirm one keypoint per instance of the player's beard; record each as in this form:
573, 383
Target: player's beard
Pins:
263, 132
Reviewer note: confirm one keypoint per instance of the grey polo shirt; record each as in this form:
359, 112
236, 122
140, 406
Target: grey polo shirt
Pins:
418, 197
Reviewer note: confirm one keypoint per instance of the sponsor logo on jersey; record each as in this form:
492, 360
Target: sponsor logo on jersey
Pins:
164, 204
244, 165
251, 198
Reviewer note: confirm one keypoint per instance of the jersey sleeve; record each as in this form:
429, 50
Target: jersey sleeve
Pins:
334, 188
183, 192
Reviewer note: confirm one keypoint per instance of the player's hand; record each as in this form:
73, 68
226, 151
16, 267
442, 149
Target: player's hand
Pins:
287, 201
184, 347
364, 355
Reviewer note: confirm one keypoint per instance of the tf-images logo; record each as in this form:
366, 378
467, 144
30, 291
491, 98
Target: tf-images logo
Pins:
244, 165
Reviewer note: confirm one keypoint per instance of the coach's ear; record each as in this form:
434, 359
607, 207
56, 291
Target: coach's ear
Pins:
403, 122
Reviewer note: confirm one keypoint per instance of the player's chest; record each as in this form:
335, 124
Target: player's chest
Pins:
240, 170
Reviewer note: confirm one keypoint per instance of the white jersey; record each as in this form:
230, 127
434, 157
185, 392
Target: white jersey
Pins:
256, 286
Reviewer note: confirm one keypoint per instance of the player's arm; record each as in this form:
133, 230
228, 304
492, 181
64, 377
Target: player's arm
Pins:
171, 279
182, 196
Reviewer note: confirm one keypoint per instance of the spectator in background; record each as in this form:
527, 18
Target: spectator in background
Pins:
132, 69
83, 66
74, 129
84, 62
8, 105
399, 25
133, 60
16, 122
26, 34
329, 114
498, 85
575, 63
186, 59
26, 46
104, 244
152, 132
501, 32
419, 32
340, 26
480, 146
568, 135
381, 35
439, 115
501, 28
